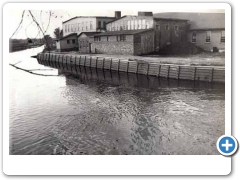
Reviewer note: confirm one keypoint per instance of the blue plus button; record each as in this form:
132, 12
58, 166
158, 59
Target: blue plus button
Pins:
227, 145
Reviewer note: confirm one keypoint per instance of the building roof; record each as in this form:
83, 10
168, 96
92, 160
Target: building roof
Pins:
124, 32
89, 33
72, 34
106, 17
198, 21
171, 19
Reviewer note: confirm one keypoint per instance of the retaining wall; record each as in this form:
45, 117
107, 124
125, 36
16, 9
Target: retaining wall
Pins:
186, 72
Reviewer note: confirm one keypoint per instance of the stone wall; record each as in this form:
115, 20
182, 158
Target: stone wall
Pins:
105, 47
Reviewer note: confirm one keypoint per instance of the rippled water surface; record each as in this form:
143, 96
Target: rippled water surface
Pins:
96, 112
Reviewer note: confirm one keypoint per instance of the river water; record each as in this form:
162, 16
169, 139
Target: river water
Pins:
98, 112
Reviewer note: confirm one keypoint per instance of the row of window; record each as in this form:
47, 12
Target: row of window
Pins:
71, 40
130, 25
83, 26
119, 38
208, 37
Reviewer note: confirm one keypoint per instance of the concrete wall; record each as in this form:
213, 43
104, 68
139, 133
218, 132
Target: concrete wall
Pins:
112, 46
131, 23
201, 37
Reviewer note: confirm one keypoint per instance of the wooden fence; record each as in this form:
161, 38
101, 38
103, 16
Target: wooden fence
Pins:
186, 72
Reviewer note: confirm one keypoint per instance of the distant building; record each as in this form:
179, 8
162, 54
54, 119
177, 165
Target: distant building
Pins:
84, 41
137, 33
127, 42
206, 30
80, 24
67, 43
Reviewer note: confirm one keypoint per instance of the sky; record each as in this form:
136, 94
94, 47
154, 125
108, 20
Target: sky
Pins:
28, 29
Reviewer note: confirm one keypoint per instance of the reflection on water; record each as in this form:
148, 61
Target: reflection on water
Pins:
89, 111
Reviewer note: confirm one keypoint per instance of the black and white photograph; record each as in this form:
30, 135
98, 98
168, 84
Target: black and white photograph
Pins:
116, 81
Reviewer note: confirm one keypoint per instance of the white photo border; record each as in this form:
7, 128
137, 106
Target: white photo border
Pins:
114, 164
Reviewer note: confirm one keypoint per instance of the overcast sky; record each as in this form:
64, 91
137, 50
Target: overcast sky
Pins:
29, 29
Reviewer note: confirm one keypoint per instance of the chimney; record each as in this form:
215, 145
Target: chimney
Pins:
117, 14
141, 13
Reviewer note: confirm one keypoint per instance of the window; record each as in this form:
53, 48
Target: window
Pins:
91, 25
99, 24
208, 37
79, 26
68, 41
121, 38
73, 41
157, 27
176, 28
104, 25
107, 38
143, 24
72, 28
97, 38
194, 37
65, 28
139, 24
82, 26
222, 37
167, 27
69, 28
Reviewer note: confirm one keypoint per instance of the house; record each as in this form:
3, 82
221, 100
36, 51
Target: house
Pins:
127, 42
67, 43
206, 30
84, 41
80, 24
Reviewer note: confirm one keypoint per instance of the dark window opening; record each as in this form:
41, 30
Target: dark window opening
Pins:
223, 37
194, 37
167, 27
68, 41
157, 27
73, 41
121, 38
99, 24
176, 28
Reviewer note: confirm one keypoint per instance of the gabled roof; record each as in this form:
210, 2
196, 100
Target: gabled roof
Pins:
106, 17
124, 32
72, 34
198, 21
89, 33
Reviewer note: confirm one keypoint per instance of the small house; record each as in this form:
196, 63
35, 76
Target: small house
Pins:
67, 43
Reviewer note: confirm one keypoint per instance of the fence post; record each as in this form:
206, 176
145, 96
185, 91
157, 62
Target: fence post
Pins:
118, 64
147, 69
85, 61
127, 66
195, 69
159, 70
96, 62
168, 71
111, 65
137, 67
179, 67
212, 74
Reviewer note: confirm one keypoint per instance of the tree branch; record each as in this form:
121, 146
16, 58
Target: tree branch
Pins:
19, 24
